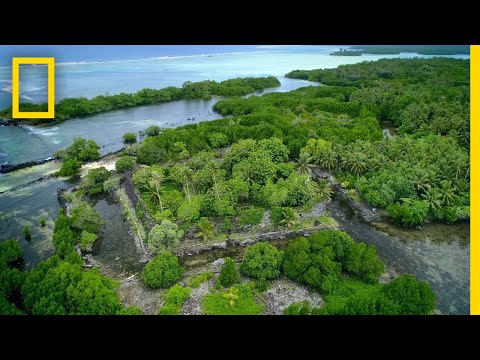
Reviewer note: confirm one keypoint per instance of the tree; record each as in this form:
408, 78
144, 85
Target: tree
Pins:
92, 183
190, 210
153, 130
411, 297
163, 271
304, 164
164, 236
206, 230
300, 190
262, 260
81, 149
324, 190
228, 274
125, 163
289, 218
70, 167
154, 188
94, 294
129, 138
110, 185
84, 217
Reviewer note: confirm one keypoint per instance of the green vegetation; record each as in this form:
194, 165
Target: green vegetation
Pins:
55, 286
422, 174
251, 216
87, 240
112, 184
164, 236
228, 274
125, 163
153, 130
319, 260
195, 280
92, 183
262, 261
176, 297
43, 222
11, 278
77, 107
129, 138
237, 300
163, 271
298, 308
420, 49
216, 195
27, 233
346, 52
80, 151
131, 310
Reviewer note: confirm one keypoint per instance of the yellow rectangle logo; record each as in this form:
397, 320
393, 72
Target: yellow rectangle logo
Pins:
16, 62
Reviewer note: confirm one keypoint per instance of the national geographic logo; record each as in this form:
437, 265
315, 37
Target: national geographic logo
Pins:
16, 62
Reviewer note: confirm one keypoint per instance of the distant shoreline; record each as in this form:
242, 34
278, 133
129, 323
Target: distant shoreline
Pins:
439, 50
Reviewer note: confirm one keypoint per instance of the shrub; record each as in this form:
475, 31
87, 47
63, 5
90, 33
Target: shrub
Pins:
178, 294
164, 236
409, 213
129, 138
262, 260
70, 167
153, 130
252, 216
206, 229
228, 274
92, 183
298, 308
125, 163
27, 233
43, 222
176, 297
410, 296
169, 309
111, 185
190, 210
86, 240
196, 280
163, 271
130, 310
237, 300
318, 260
84, 217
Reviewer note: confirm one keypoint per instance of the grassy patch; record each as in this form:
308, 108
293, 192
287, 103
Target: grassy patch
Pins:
237, 300
194, 281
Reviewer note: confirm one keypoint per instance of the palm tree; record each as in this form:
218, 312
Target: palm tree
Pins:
304, 164
154, 188
186, 174
433, 197
290, 218
328, 161
324, 189
206, 230
356, 163
463, 187
421, 179
447, 193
